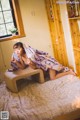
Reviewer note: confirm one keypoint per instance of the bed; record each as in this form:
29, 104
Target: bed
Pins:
53, 100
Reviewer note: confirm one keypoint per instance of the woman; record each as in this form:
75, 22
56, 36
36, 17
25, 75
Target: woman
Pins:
38, 59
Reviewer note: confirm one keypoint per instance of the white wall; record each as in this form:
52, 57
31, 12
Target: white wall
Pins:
36, 27
36, 24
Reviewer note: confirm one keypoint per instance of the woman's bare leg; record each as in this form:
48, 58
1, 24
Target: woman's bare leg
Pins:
53, 74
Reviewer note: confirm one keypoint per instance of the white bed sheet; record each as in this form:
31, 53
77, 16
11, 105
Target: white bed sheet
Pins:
42, 101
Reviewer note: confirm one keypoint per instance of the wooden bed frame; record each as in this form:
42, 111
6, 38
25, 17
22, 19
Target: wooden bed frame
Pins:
70, 116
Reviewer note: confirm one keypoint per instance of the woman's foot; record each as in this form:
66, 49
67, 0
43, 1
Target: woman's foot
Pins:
72, 72
12, 70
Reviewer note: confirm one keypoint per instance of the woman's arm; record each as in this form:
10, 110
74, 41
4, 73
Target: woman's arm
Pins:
20, 64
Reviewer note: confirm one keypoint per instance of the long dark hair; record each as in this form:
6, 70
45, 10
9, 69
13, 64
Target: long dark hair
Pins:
19, 44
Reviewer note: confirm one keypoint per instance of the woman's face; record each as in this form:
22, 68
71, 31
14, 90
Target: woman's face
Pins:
18, 50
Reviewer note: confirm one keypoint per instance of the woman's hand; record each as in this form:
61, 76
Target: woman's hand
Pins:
19, 55
28, 61
14, 61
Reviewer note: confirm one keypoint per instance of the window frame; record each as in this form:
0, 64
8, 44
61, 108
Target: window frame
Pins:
19, 23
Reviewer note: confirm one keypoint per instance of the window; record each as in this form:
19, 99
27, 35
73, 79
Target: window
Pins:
10, 18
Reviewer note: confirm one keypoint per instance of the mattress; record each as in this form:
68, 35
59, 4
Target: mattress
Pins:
47, 101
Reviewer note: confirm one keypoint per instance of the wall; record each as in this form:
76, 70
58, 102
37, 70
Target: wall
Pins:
36, 28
